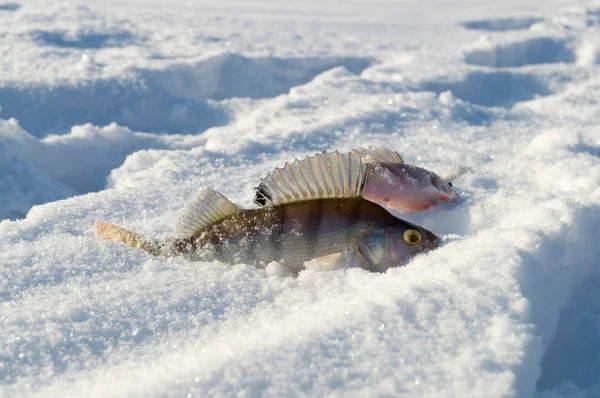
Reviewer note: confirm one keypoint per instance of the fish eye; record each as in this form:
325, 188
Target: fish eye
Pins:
412, 237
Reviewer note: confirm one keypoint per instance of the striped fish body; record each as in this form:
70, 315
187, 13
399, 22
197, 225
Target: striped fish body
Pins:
294, 233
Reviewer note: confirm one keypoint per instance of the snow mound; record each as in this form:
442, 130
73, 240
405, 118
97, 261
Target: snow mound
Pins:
23, 186
231, 75
176, 99
539, 50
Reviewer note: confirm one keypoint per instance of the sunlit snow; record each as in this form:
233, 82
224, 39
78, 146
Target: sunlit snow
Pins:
121, 110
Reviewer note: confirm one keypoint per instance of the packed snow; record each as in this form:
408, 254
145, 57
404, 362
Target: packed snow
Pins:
121, 110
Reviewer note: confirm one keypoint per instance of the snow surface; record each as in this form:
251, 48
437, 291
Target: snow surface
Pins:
121, 110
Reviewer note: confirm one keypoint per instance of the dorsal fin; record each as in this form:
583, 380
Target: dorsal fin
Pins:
324, 175
378, 154
208, 207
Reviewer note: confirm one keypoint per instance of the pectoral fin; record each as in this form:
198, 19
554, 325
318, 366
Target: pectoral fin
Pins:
350, 258
328, 262
451, 174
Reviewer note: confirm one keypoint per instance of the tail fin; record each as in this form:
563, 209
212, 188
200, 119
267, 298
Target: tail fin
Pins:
112, 233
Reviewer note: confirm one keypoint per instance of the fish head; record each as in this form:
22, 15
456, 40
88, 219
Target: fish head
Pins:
395, 245
402, 186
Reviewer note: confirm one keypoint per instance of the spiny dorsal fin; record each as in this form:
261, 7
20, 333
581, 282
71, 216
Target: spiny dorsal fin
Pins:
325, 175
208, 207
378, 154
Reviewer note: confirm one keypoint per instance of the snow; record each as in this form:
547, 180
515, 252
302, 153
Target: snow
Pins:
121, 110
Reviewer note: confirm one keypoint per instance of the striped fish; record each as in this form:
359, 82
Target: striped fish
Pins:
386, 179
318, 233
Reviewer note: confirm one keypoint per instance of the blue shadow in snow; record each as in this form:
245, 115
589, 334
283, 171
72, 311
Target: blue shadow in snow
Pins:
43, 110
502, 24
232, 76
83, 40
171, 100
573, 354
496, 88
539, 50
9, 7
586, 148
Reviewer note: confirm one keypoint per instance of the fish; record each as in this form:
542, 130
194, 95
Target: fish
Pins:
386, 180
304, 232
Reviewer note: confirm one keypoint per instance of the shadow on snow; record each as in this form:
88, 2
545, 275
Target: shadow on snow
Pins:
177, 99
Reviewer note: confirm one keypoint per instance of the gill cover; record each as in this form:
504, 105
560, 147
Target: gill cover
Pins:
372, 247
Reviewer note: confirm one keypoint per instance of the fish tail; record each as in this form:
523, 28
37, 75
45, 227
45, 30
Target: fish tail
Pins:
113, 233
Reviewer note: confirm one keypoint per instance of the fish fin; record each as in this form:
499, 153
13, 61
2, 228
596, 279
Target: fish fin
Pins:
349, 258
378, 154
326, 263
208, 207
112, 233
449, 175
322, 176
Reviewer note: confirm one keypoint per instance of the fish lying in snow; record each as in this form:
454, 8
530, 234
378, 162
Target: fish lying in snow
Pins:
329, 228
386, 180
